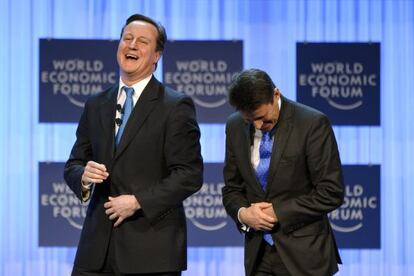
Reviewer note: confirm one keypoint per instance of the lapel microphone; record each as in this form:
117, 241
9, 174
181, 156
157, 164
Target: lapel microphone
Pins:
119, 108
118, 121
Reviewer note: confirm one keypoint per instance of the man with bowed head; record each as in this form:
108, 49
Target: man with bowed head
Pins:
136, 158
282, 176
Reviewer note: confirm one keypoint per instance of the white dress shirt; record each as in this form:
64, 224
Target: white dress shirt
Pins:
138, 88
255, 157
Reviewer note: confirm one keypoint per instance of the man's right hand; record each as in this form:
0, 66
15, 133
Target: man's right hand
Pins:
256, 218
94, 173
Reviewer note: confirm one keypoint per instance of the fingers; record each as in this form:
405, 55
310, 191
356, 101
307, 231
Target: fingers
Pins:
108, 204
255, 217
265, 228
267, 218
262, 205
120, 208
96, 165
114, 216
266, 211
109, 211
94, 172
118, 221
261, 214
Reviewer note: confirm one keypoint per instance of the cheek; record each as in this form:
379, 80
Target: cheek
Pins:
268, 120
119, 52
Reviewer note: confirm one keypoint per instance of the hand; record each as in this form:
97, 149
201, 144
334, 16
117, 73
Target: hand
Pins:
94, 173
269, 210
255, 217
121, 208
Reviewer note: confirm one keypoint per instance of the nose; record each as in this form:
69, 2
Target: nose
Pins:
132, 44
258, 124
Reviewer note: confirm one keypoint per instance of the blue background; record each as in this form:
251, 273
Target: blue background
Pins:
369, 235
58, 108
230, 52
269, 30
54, 231
228, 235
367, 54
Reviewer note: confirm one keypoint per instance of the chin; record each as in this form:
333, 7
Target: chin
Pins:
267, 127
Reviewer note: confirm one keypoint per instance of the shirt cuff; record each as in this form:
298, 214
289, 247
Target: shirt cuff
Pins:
86, 191
244, 227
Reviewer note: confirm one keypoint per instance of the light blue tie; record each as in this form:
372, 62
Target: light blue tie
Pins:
265, 152
127, 109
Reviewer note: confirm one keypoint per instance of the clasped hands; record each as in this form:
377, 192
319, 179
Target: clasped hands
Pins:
260, 216
117, 208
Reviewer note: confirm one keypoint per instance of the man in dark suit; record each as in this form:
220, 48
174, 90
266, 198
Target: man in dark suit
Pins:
136, 157
282, 176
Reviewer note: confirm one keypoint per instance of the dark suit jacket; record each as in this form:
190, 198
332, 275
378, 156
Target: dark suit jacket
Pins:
304, 184
158, 160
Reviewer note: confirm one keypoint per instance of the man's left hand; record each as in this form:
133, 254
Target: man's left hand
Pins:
268, 210
121, 207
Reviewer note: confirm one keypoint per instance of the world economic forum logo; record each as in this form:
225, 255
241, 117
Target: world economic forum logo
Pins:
206, 81
341, 84
351, 215
62, 203
59, 208
205, 209
77, 79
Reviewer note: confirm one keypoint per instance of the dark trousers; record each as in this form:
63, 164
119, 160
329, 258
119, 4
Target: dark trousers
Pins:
110, 267
269, 263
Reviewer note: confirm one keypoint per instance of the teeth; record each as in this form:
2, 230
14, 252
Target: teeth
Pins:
131, 56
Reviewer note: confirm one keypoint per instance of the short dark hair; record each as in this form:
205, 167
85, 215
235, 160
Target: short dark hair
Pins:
162, 35
250, 89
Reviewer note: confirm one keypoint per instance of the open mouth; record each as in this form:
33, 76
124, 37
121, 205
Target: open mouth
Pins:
131, 57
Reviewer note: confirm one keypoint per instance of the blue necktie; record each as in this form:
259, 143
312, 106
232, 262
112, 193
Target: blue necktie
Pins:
128, 106
265, 152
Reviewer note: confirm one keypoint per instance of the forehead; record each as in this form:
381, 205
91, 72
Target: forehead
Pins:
260, 111
141, 28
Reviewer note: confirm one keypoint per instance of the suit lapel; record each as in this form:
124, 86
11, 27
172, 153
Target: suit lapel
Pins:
145, 104
247, 156
107, 115
282, 133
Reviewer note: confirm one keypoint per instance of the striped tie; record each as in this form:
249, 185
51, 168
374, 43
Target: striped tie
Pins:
128, 106
265, 152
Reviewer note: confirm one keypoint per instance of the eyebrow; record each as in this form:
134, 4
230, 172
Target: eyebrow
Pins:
258, 118
139, 37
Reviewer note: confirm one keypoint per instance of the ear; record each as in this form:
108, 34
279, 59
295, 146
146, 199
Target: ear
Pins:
276, 94
157, 56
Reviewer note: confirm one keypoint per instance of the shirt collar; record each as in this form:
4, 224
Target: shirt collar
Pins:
138, 86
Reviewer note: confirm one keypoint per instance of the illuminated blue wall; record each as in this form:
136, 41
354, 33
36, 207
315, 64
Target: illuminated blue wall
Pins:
270, 30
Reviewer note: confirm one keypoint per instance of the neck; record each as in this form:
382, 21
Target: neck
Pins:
131, 80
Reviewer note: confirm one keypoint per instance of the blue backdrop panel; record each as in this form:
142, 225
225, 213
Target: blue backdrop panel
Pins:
340, 79
207, 221
59, 209
204, 70
70, 72
357, 222
270, 31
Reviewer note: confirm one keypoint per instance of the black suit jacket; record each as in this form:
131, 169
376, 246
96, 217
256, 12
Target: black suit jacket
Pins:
304, 184
158, 160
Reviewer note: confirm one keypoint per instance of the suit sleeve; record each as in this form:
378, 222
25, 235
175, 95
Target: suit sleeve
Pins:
324, 168
80, 154
234, 191
184, 164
